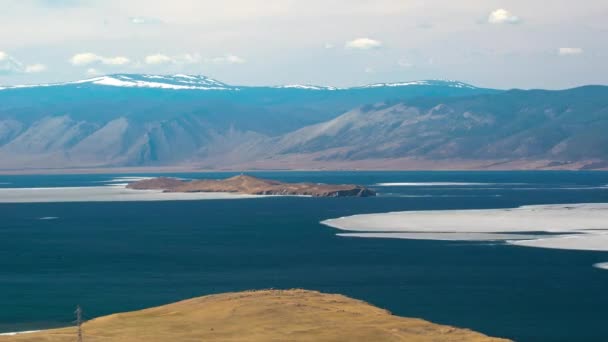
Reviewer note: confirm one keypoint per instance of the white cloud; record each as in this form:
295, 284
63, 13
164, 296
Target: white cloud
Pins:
158, 59
188, 58
404, 63
118, 60
329, 46
84, 58
10, 65
425, 26
144, 20
87, 58
502, 16
364, 44
192, 58
93, 72
59, 3
228, 59
570, 51
34, 68
369, 70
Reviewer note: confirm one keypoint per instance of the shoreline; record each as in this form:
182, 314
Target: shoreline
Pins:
164, 171
391, 165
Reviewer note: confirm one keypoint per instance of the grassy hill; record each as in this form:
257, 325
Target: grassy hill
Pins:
270, 315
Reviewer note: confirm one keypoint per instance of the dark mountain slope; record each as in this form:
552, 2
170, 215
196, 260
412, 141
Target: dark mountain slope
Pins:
151, 120
565, 125
161, 120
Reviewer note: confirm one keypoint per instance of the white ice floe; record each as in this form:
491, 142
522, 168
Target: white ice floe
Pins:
602, 265
571, 226
131, 179
444, 236
434, 184
18, 333
126, 179
437, 196
105, 194
548, 218
588, 241
486, 186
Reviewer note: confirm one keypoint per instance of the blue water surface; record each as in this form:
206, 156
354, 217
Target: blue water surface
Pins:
119, 256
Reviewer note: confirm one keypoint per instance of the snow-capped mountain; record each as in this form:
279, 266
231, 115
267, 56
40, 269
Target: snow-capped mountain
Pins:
176, 82
134, 120
199, 82
305, 87
436, 83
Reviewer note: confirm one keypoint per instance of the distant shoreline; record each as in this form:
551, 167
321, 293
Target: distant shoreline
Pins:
336, 168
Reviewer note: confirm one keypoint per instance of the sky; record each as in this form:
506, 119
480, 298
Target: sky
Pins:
499, 44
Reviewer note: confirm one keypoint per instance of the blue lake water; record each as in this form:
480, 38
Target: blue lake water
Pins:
120, 256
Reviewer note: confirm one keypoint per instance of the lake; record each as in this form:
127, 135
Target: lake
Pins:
118, 256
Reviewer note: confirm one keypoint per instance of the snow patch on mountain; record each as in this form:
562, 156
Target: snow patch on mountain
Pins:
305, 87
176, 82
443, 83
199, 82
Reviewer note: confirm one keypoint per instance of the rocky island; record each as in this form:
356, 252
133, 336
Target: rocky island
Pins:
249, 185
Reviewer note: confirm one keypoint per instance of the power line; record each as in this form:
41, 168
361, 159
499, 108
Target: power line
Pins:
78, 313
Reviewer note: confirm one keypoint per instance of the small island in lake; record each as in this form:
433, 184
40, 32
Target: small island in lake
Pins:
249, 185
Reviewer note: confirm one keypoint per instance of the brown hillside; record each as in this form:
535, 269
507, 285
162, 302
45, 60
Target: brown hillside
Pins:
269, 315
253, 186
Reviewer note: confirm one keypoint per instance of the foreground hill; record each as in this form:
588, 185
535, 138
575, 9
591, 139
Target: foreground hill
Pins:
198, 122
294, 315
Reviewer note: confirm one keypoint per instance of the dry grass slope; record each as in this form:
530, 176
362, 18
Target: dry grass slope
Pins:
269, 315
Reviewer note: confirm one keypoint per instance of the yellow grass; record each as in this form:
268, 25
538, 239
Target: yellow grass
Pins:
269, 315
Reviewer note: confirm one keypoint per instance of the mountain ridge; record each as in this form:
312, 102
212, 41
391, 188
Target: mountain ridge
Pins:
422, 124
201, 82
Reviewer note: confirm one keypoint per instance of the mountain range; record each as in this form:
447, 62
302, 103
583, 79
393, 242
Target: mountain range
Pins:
128, 120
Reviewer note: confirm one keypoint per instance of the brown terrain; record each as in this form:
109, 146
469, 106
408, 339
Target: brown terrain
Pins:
309, 163
253, 186
269, 315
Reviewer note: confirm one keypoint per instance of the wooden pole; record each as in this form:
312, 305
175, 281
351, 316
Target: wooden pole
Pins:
78, 313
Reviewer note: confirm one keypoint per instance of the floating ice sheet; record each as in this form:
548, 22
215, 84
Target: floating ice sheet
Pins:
565, 226
116, 192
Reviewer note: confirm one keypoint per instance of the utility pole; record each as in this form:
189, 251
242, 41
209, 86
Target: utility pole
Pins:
78, 313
